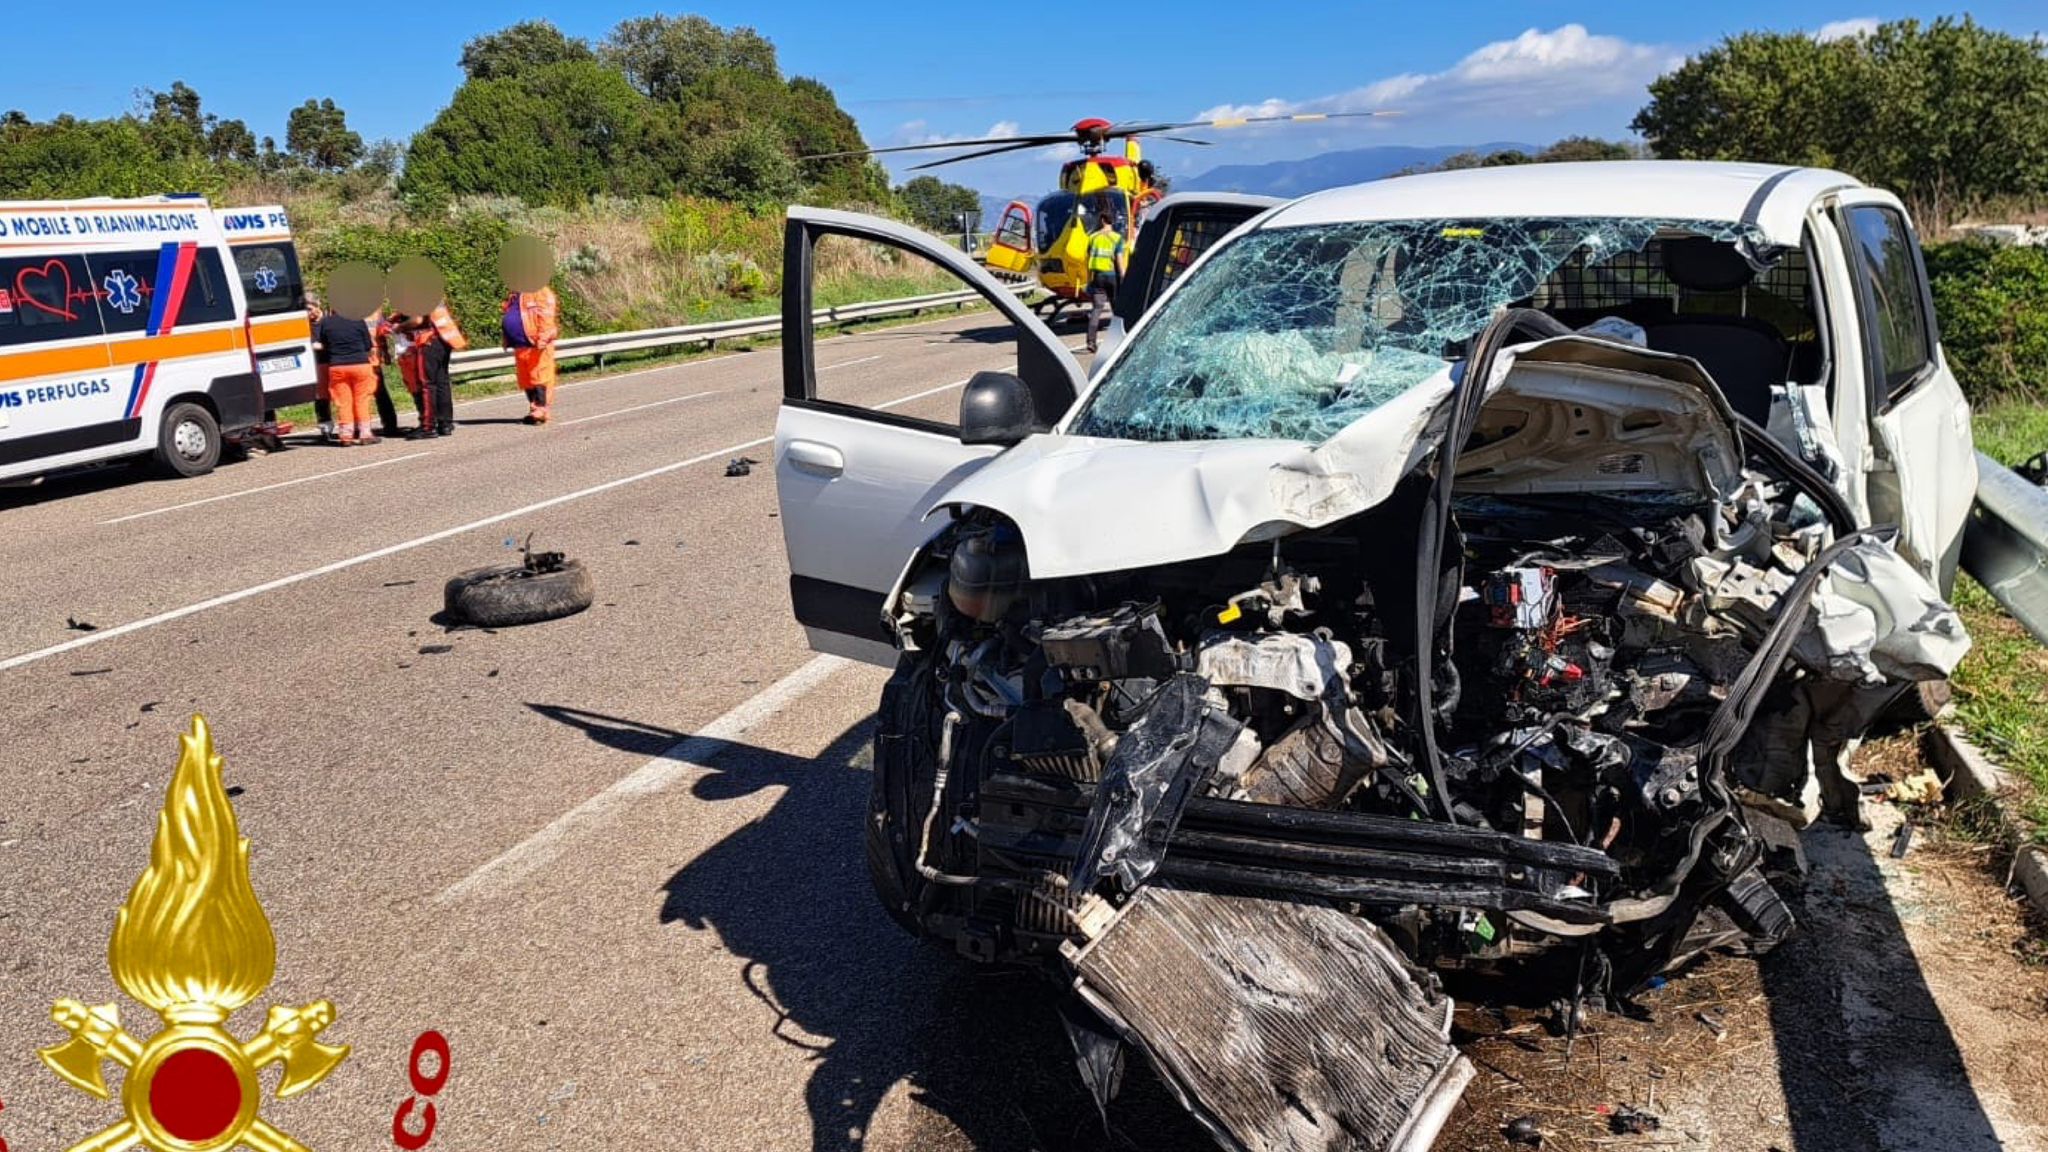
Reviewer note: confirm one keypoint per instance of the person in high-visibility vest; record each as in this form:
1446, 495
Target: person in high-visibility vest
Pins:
532, 322
432, 339
1105, 268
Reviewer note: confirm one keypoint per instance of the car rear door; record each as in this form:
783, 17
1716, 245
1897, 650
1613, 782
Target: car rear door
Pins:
1923, 475
1176, 231
867, 437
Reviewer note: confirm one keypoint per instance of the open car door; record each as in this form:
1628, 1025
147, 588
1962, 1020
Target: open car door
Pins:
1175, 232
1923, 475
1010, 248
867, 440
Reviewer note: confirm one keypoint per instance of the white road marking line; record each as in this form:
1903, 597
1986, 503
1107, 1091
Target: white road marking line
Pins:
927, 392
264, 488
635, 408
850, 363
103, 634
377, 554
656, 776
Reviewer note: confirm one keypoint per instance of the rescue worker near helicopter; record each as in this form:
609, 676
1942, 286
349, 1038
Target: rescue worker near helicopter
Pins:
532, 322
1105, 268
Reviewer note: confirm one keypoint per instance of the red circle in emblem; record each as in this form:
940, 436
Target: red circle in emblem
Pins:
195, 1095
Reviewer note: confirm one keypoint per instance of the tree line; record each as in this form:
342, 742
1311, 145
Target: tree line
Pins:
1949, 114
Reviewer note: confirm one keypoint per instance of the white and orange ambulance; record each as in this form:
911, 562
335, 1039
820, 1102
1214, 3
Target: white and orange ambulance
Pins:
123, 332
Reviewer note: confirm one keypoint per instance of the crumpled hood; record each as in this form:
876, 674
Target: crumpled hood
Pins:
1086, 504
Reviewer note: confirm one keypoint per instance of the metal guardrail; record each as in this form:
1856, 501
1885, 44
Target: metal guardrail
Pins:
708, 335
2006, 544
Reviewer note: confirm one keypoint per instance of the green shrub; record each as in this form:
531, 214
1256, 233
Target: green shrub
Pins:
1993, 306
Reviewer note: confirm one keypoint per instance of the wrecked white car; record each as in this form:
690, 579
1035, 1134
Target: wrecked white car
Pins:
1446, 581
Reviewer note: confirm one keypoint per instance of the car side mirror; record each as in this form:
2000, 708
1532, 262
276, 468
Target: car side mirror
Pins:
996, 408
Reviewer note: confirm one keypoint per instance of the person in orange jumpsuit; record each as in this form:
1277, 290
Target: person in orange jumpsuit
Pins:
532, 323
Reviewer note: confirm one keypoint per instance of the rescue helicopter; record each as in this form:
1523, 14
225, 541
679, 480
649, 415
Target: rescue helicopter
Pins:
1049, 240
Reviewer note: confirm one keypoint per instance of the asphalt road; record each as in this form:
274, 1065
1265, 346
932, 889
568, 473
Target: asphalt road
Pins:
690, 960
614, 858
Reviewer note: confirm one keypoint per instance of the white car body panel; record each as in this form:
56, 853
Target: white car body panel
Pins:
1771, 197
1072, 497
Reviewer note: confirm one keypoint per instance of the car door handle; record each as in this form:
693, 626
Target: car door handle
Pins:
813, 458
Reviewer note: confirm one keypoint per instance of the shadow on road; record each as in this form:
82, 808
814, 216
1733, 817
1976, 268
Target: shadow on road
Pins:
981, 1050
1865, 1058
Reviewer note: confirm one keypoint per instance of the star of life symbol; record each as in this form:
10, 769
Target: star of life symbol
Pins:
266, 279
193, 944
124, 293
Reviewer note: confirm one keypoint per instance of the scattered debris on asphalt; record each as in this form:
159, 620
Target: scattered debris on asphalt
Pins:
1524, 1132
435, 649
740, 465
632, 544
1628, 1120
92, 672
1902, 840
77, 625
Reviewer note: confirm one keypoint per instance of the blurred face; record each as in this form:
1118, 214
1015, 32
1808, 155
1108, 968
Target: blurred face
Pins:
355, 289
527, 263
415, 286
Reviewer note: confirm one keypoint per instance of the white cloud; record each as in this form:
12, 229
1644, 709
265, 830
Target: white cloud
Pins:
1535, 74
1846, 29
920, 132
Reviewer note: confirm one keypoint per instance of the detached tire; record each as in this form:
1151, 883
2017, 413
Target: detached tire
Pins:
187, 441
509, 595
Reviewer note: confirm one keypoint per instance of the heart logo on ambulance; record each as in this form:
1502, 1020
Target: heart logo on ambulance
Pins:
51, 274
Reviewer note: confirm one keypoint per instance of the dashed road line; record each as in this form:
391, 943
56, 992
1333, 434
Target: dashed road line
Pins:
656, 776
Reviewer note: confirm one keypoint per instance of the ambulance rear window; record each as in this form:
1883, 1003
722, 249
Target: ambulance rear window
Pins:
129, 283
45, 298
270, 278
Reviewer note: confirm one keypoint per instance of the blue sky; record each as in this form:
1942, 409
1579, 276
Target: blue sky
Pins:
1459, 73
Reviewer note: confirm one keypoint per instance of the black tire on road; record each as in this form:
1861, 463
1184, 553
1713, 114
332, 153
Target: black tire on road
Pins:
187, 441
509, 595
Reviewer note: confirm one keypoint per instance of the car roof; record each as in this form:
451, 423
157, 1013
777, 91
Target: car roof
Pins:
1771, 197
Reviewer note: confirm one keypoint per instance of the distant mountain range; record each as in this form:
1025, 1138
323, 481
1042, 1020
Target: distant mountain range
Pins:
1291, 178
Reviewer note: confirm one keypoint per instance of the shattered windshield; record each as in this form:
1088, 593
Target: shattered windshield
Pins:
1293, 333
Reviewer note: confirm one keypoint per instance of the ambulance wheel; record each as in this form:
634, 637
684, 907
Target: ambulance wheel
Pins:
188, 440
509, 595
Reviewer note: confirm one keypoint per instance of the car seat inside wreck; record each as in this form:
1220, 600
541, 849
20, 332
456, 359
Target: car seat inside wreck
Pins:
1506, 687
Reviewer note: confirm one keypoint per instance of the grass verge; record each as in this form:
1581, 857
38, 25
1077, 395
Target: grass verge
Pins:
2010, 431
2002, 698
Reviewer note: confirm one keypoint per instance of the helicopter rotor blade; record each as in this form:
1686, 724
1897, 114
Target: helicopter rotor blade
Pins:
1020, 141
1015, 147
1186, 140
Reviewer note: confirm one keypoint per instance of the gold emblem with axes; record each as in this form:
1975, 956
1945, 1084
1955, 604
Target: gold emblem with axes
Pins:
193, 945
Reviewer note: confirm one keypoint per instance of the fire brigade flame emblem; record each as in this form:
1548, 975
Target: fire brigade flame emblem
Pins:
193, 945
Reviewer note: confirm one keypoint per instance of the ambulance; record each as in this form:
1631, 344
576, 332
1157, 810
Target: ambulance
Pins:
280, 333
123, 333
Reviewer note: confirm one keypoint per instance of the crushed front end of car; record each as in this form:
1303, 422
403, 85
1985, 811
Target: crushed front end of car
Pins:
1473, 691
